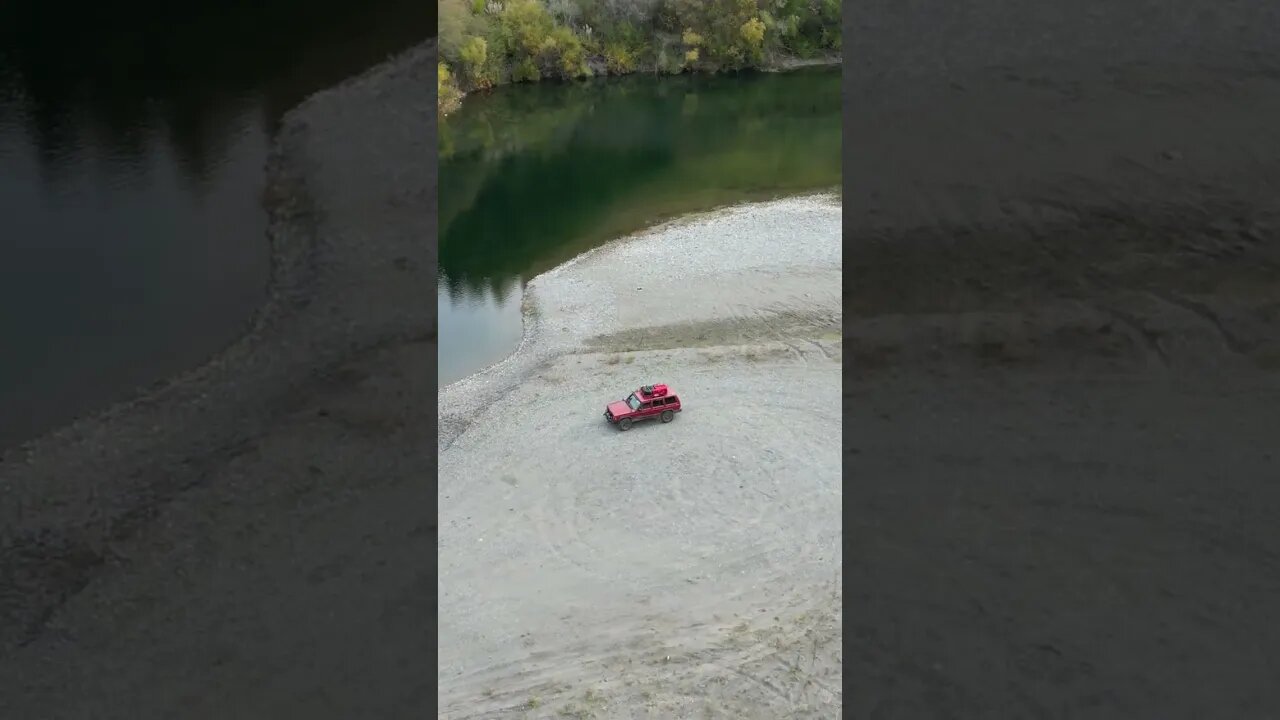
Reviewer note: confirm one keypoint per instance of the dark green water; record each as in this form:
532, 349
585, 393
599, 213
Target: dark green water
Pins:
133, 137
531, 176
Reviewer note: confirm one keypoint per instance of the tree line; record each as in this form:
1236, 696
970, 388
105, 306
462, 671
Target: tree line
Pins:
484, 43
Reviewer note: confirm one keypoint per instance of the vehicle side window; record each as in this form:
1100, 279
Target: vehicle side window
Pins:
673, 400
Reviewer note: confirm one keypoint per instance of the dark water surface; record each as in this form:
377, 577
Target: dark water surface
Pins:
132, 143
531, 176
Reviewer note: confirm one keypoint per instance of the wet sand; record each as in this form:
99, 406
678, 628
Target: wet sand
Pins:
1063, 360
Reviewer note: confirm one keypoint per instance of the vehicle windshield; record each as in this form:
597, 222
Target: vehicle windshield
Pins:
633, 402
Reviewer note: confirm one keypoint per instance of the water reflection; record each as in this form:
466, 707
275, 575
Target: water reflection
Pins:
532, 176
485, 320
132, 142
120, 76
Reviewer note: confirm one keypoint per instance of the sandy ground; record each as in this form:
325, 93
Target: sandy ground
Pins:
1062, 320
251, 540
689, 569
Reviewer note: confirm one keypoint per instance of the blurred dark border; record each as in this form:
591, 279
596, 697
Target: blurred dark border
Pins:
1099, 580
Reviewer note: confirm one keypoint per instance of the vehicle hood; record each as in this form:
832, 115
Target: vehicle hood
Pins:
619, 408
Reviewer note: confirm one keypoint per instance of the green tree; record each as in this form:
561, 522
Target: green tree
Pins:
618, 59
719, 24
526, 71
525, 26
571, 59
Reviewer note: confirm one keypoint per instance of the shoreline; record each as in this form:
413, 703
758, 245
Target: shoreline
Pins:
789, 64
529, 313
592, 537
656, 227
290, 237
337, 294
780, 65
662, 219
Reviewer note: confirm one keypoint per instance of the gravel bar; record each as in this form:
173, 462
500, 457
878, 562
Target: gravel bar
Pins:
675, 569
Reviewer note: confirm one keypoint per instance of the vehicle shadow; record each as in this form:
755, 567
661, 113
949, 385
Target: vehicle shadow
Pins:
607, 428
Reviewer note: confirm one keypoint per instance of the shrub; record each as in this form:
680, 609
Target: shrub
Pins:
567, 57
448, 96
474, 52
483, 42
451, 27
670, 63
627, 34
525, 26
752, 32
475, 62
831, 38
526, 71
721, 30
618, 59
564, 12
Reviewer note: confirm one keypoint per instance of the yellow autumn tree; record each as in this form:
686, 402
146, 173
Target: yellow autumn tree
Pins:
448, 96
692, 46
475, 58
752, 32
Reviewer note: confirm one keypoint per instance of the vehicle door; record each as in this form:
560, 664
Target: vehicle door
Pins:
650, 408
666, 404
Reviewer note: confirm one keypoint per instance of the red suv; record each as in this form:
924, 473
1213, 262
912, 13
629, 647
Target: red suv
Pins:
650, 401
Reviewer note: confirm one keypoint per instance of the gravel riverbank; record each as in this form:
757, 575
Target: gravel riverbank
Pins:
673, 570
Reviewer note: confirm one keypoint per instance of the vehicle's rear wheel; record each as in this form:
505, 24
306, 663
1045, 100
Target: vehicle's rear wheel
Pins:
667, 415
624, 424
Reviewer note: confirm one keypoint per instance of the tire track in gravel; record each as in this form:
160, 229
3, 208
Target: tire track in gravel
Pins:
562, 519
566, 517
634, 548
729, 670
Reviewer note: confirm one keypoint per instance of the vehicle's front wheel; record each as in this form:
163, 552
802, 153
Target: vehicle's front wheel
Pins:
667, 415
624, 424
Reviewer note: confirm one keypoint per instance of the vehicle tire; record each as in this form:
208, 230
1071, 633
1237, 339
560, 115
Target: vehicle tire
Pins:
667, 415
624, 424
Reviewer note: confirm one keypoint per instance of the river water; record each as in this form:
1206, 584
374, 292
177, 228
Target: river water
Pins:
132, 146
532, 175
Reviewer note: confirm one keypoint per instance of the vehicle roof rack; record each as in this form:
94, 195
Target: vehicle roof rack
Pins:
654, 390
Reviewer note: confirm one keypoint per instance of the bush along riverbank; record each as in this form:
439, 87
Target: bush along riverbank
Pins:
485, 43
